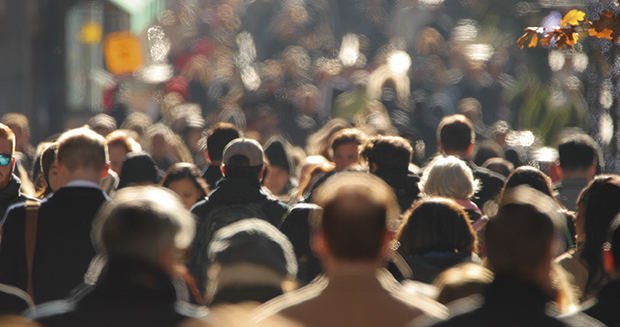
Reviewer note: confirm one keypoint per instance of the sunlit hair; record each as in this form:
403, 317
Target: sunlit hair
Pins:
185, 170
435, 224
462, 281
391, 153
358, 209
532, 177
123, 138
597, 206
18, 121
448, 177
524, 233
142, 221
345, 136
7, 134
82, 148
318, 143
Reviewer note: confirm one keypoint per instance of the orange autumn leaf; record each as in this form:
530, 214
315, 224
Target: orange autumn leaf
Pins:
533, 41
573, 18
530, 32
606, 33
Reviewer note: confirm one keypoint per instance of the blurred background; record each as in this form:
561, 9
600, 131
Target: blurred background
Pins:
286, 67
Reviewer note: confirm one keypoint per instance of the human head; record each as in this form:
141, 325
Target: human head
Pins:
102, 123
120, 142
243, 158
145, 223
20, 126
532, 177
455, 135
217, 139
138, 168
246, 254
597, 205
462, 281
435, 225
280, 165
486, 150
499, 165
579, 154
358, 219
344, 147
448, 177
49, 168
81, 149
470, 108
7, 150
522, 238
389, 153
186, 180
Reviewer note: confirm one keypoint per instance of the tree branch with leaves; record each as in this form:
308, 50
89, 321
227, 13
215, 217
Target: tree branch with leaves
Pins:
573, 25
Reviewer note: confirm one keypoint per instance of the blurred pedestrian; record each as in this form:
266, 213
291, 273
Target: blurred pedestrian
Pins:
352, 238
141, 233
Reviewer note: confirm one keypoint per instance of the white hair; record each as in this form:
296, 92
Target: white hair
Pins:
448, 177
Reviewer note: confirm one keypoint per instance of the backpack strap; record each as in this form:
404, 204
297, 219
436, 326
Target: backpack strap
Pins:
32, 215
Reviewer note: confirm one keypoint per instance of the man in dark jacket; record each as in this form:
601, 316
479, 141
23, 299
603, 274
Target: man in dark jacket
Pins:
62, 246
579, 157
456, 137
238, 195
140, 233
388, 157
9, 183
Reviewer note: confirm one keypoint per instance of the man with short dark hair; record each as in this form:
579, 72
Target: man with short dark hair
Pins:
352, 238
579, 156
343, 152
388, 157
140, 233
217, 139
60, 245
238, 195
456, 137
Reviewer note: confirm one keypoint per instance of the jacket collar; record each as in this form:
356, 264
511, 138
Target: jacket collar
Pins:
509, 292
131, 278
11, 191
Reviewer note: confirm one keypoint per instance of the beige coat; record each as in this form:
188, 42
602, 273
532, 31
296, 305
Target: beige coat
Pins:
360, 297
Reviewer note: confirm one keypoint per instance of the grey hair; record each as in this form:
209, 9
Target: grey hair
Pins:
448, 177
141, 222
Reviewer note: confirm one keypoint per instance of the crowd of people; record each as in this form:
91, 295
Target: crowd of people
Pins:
299, 170
95, 233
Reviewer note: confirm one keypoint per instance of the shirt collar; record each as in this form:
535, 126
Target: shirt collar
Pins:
83, 183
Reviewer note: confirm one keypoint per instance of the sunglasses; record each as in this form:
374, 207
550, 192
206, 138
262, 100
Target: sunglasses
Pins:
5, 159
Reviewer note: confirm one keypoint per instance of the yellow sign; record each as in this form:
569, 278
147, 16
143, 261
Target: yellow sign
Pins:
122, 52
91, 33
